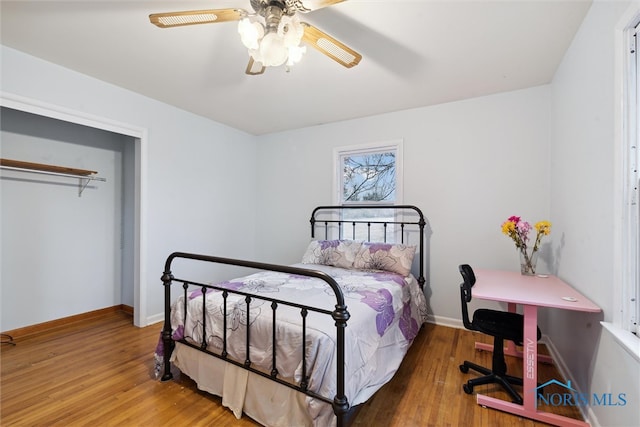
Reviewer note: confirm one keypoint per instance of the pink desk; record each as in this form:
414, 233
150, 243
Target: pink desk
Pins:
531, 292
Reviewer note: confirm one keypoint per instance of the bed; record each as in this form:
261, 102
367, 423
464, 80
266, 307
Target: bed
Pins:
303, 344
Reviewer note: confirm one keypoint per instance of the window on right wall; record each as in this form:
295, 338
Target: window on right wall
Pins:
634, 161
630, 298
369, 174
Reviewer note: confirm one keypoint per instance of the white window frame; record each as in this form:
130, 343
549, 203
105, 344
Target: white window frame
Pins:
631, 208
393, 233
626, 280
372, 147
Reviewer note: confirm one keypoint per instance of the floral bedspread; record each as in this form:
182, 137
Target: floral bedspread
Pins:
387, 311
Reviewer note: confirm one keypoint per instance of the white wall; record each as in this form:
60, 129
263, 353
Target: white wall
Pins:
468, 165
582, 207
199, 176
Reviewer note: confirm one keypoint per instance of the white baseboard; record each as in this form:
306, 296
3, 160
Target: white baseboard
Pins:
445, 321
156, 318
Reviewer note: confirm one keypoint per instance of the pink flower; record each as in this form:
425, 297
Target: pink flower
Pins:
514, 219
523, 230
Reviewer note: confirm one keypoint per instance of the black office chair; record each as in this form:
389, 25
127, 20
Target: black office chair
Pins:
501, 325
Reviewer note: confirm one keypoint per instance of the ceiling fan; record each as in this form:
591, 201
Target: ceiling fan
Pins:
272, 33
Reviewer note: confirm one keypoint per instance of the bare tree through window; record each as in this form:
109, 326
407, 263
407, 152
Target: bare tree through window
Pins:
369, 177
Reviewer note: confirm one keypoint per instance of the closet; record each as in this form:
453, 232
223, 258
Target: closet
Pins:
67, 243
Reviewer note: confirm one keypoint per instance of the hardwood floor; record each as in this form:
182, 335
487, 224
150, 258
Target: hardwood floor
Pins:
100, 372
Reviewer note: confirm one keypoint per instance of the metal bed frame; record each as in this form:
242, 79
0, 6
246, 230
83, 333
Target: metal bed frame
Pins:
340, 314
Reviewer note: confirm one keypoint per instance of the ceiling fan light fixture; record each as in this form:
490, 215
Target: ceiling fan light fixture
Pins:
295, 54
291, 30
272, 50
274, 39
251, 32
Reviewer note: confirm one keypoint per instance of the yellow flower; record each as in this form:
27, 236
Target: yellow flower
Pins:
508, 227
543, 227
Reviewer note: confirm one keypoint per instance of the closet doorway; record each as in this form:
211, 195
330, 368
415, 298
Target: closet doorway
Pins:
65, 252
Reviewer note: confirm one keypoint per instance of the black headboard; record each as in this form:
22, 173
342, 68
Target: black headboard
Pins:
400, 222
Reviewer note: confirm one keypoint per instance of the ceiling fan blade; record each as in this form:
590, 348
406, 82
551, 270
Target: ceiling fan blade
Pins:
254, 68
331, 47
305, 6
178, 19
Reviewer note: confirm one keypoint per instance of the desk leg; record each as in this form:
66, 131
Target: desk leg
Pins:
530, 379
530, 360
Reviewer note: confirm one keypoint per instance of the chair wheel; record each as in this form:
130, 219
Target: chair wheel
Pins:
464, 369
467, 388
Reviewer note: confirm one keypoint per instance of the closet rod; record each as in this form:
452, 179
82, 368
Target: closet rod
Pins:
68, 175
81, 174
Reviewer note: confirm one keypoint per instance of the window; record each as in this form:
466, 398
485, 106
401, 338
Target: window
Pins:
369, 174
369, 177
633, 182
631, 213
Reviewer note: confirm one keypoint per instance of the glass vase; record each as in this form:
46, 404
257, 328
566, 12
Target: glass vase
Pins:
528, 263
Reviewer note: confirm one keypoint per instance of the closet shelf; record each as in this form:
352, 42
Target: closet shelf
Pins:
46, 168
82, 174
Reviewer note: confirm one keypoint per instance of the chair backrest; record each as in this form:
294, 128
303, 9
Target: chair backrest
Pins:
468, 280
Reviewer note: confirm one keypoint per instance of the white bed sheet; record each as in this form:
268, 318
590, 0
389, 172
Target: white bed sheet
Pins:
265, 401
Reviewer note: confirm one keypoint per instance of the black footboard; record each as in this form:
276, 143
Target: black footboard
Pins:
340, 315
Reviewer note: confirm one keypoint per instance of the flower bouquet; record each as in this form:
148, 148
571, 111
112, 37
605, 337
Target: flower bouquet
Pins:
518, 230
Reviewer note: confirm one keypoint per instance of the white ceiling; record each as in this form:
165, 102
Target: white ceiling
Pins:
415, 53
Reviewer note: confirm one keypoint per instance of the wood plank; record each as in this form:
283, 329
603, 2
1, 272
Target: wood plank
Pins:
45, 167
100, 371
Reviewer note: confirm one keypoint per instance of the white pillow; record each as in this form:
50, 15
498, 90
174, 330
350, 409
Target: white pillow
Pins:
338, 253
393, 257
